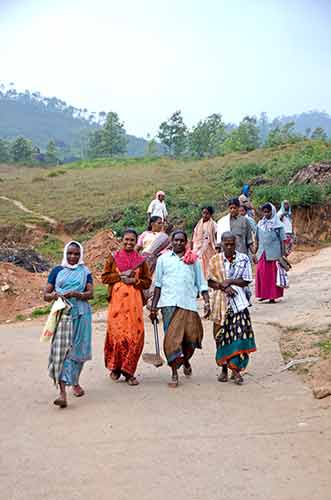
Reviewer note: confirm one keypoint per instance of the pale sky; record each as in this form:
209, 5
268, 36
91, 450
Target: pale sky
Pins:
145, 59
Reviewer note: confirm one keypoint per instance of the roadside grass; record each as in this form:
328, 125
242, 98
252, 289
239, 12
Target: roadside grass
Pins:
40, 311
100, 298
97, 190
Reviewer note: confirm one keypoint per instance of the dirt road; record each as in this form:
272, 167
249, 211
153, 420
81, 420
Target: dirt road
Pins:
266, 440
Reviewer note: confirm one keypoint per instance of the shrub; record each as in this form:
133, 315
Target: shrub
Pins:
299, 195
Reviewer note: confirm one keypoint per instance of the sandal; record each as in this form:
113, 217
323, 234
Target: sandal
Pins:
132, 381
114, 375
78, 391
223, 377
61, 402
187, 370
174, 382
237, 378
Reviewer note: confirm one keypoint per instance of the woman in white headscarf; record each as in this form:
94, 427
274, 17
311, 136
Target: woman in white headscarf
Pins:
71, 343
270, 238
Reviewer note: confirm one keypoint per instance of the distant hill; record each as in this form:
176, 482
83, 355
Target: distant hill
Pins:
41, 119
307, 121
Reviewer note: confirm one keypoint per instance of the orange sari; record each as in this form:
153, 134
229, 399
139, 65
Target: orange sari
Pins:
125, 330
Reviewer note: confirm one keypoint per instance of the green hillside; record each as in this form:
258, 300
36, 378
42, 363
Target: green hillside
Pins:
42, 119
116, 193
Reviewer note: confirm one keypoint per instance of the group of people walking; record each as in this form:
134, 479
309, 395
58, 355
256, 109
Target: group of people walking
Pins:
168, 274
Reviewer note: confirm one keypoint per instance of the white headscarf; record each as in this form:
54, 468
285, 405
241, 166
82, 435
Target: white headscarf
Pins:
65, 262
273, 223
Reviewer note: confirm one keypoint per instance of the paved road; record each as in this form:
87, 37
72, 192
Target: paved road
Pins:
266, 440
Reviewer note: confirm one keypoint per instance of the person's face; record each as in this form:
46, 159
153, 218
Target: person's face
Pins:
73, 254
229, 247
157, 226
161, 197
129, 242
234, 210
242, 211
205, 215
286, 206
267, 213
179, 243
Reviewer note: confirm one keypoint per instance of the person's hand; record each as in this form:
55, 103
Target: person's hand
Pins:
226, 283
129, 273
55, 295
128, 281
230, 291
153, 314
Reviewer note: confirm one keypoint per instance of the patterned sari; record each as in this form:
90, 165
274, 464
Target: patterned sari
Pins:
71, 344
233, 330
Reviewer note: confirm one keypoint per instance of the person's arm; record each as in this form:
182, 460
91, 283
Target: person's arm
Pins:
49, 293
249, 237
86, 295
110, 276
157, 289
144, 280
282, 241
202, 286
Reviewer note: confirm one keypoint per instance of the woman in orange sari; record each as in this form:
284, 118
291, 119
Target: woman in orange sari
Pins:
127, 274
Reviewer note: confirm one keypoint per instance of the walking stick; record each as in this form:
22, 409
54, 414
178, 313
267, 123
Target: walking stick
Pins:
154, 359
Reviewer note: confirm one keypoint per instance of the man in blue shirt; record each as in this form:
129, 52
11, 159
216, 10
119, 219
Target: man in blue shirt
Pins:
178, 282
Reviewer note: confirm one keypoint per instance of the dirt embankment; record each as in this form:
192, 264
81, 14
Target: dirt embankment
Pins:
312, 224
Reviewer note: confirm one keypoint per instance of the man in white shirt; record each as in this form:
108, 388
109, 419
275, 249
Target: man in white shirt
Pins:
158, 207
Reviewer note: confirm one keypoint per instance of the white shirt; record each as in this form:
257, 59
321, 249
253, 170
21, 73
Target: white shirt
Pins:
239, 268
158, 208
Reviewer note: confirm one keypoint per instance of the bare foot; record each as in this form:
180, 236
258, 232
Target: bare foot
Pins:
237, 378
187, 369
132, 381
174, 382
61, 401
114, 375
78, 391
223, 377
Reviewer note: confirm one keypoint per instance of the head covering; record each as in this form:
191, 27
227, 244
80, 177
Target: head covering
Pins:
284, 211
245, 190
270, 224
158, 194
65, 262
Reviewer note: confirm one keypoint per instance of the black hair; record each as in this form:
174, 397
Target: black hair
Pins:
74, 244
234, 201
267, 206
179, 231
210, 209
152, 220
129, 230
244, 207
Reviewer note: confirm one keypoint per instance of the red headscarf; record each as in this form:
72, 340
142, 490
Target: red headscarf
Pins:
127, 260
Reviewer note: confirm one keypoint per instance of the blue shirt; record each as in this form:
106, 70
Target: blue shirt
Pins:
55, 271
180, 283
270, 243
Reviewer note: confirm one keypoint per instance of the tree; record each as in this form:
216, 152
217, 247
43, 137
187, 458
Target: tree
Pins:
109, 140
51, 152
207, 136
319, 134
4, 150
264, 127
151, 147
21, 149
282, 134
173, 134
248, 133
